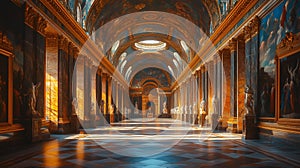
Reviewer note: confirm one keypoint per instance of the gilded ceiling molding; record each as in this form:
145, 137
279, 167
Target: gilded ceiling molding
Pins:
59, 11
5, 44
235, 15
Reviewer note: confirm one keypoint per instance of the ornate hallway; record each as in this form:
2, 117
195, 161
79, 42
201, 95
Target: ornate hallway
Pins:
149, 83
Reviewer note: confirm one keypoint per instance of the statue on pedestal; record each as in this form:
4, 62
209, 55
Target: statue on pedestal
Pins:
203, 112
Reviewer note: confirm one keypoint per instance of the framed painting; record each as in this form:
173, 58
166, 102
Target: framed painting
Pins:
288, 80
6, 81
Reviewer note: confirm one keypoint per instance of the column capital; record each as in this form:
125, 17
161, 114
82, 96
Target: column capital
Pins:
232, 44
75, 52
41, 25
30, 16
104, 75
62, 43
254, 25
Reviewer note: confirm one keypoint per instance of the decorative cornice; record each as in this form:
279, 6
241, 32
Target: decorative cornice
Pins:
34, 20
5, 44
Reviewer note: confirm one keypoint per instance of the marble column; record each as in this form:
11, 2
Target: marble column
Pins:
103, 96
232, 123
215, 97
73, 87
63, 83
87, 93
241, 81
226, 85
109, 99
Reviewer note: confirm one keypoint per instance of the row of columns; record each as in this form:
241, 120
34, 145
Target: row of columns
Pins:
219, 91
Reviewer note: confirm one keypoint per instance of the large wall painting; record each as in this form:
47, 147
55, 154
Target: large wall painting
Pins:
290, 86
274, 26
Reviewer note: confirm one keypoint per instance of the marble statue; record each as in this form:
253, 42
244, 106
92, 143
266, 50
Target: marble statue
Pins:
32, 97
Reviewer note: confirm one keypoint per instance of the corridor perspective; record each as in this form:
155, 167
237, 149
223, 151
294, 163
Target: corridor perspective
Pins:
150, 83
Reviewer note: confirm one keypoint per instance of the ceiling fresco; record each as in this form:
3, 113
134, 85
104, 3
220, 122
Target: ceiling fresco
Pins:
200, 13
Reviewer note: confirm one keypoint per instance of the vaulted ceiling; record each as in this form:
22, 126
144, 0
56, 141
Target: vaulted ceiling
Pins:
141, 34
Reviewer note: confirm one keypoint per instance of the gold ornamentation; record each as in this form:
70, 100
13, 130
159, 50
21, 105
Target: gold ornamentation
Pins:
34, 20
41, 25
239, 10
63, 43
75, 52
287, 41
30, 16
233, 44
254, 25
247, 32
5, 44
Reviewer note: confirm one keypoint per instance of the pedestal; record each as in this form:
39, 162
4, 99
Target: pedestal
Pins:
33, 129
232, 125
250, 130
74, 124
201, 120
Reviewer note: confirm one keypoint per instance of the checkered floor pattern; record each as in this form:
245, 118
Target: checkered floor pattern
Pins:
147, 146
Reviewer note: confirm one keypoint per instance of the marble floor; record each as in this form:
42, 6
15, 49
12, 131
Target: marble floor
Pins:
151, 143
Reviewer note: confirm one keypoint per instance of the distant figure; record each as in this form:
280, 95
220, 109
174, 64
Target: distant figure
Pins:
136, 109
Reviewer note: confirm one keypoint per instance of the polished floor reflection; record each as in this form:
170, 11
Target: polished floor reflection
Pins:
153, 143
